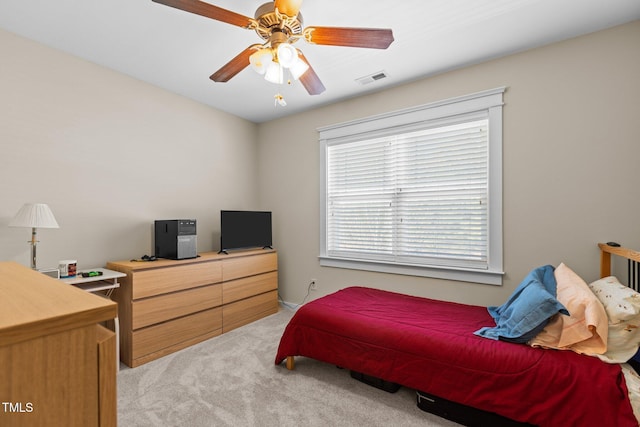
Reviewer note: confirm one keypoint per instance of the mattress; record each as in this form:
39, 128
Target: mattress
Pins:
429, 345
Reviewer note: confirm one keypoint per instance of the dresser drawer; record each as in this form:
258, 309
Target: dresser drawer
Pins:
164, 307
176, 278
248, 310
169, 335
249, 286
235, 268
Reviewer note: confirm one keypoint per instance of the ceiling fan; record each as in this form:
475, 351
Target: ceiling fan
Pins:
279, 24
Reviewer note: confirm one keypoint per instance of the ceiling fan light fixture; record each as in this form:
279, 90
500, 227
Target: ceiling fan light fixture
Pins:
286, 54
260, 60
274, 73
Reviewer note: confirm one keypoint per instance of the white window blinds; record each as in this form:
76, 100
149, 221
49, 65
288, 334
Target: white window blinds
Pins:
416, 191
418, 197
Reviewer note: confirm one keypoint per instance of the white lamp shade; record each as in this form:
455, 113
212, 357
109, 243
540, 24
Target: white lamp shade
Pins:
287, 54
34, 215
260, 60
274, 73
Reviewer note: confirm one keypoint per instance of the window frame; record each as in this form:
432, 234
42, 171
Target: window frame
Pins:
489, 102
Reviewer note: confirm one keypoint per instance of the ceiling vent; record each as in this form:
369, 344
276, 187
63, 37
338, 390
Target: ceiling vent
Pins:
372, 78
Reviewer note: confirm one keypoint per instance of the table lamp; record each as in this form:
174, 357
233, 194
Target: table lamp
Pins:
34, 215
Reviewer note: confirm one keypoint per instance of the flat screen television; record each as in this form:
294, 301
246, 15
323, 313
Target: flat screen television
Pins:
244, 229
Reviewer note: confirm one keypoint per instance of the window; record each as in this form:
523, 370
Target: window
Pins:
417, 191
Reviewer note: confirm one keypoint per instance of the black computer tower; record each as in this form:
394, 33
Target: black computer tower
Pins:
176, 238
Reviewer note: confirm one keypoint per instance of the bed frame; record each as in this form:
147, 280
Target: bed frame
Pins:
336, 332
633, 263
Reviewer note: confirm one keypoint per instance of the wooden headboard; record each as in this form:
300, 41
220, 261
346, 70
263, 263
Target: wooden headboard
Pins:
633, 263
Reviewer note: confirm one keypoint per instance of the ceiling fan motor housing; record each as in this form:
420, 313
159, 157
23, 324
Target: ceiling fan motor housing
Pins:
270, 23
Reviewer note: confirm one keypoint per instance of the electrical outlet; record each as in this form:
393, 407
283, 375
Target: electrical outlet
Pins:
313, 285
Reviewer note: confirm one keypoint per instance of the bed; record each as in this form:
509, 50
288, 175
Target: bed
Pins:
433, 347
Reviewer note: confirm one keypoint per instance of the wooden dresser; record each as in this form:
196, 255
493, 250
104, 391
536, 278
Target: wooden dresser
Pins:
57, 364
167, 305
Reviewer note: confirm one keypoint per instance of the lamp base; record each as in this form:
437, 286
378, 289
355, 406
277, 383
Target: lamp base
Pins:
34, 243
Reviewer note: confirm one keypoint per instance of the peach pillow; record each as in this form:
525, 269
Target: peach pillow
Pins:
585, 330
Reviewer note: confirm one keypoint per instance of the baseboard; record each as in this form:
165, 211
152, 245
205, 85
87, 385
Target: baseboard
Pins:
289, 305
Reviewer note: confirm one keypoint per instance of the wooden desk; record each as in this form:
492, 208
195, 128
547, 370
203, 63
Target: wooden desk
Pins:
56, 363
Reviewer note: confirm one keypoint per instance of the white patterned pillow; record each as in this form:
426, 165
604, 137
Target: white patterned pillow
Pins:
620, 302
622, 305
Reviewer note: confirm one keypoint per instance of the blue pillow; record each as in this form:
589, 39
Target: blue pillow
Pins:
528, 309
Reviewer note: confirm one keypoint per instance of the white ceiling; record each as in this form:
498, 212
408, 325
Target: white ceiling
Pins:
178, 51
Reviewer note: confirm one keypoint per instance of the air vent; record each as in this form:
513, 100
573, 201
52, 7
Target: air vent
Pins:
372, 78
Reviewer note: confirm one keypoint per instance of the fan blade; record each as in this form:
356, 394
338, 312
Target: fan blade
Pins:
310, 79
209, 11
290, 8
234, 66
375, 38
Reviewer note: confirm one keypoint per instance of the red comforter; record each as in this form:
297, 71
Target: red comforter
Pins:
429, 345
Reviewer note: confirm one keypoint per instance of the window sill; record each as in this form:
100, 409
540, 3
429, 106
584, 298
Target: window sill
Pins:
487, 277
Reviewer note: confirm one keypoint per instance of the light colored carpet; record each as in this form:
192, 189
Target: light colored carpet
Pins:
231, 380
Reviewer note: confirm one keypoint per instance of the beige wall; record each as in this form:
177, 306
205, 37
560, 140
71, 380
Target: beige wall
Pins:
571, 164
110, 154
